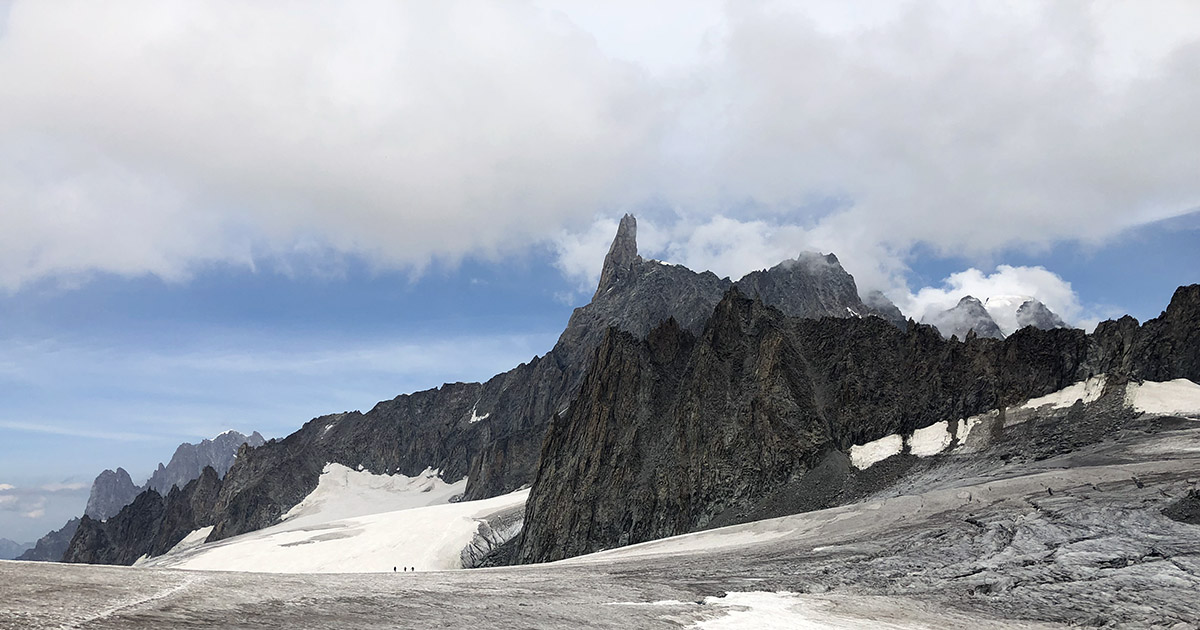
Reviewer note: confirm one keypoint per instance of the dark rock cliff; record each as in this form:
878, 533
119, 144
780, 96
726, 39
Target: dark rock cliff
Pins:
150, 525
670, 433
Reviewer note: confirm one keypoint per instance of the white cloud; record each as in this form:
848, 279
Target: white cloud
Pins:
224, 131
66, 486
5, 486
146, 137
35, 513
1035, 282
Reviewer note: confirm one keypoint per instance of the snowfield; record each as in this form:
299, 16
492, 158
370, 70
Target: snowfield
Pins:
344, 493
353, 522
1179, 396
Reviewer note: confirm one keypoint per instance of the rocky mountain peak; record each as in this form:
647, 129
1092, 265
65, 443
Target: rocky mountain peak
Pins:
815, 285
189, 460
1014, 312
622, 259
111, 491
1034, 313
966, 316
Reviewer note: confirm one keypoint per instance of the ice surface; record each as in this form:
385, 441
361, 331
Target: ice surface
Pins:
931, 440
354, 521
428, 538
983, 543
862, 456
476, 417
1177, 397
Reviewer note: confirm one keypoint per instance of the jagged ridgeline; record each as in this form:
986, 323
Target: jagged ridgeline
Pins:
493, 432
112, 490
674, 432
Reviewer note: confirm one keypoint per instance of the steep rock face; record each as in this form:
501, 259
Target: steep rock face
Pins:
150, 525
622, 260
121, 539
673, 434
187, 509
1168, 346
52, 546
111, 491
190, 460
1162, 349
968, 316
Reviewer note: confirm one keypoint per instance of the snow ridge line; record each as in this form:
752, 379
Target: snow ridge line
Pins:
133, 604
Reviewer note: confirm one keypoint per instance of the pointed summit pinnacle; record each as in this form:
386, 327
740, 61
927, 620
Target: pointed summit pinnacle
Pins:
622, 257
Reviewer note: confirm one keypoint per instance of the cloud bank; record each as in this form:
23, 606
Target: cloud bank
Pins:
156, 138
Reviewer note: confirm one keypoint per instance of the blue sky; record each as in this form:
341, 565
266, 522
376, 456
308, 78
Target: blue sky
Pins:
199, 234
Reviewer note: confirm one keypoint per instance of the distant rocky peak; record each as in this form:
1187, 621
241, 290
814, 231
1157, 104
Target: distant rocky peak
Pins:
966, 316
622, 260
1014, 312
111, 491
885, 308
189, 460
1034, 313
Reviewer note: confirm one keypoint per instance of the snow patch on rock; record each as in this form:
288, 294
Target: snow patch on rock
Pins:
475, 417
1087, 391
862, 456
1177, 397
931, 440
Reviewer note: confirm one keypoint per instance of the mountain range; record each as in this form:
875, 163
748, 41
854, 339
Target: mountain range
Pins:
674, 401
112, 490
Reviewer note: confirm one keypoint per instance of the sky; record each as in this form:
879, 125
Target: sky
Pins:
229, 215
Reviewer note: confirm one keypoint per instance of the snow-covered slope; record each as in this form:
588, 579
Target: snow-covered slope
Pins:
354, 522
345, 493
